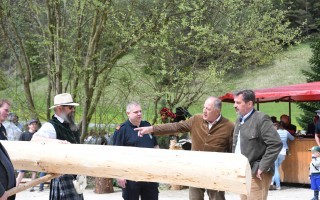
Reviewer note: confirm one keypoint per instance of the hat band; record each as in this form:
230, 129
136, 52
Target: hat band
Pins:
64, 103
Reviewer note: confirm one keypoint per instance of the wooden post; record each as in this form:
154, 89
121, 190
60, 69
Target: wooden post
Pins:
211, 170
32, 183
103, 185
173, 146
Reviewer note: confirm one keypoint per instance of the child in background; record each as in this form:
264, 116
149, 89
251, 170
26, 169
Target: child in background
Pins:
315, 171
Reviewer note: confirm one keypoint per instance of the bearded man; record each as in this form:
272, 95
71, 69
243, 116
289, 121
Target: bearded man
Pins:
61, 129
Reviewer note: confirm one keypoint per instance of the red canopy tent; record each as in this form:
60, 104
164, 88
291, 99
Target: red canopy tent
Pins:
291, 93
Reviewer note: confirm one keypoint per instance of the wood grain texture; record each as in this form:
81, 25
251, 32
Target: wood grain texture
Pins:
211, 170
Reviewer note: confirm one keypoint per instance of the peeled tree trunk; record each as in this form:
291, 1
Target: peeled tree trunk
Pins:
211, 170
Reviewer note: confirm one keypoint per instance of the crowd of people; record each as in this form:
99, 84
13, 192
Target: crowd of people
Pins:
263, 140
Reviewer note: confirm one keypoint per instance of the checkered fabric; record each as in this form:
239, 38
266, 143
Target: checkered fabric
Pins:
62, 188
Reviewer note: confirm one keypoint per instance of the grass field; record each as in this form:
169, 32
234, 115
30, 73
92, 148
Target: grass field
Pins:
285, 70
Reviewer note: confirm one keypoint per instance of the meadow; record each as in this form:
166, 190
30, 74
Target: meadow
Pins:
284, 70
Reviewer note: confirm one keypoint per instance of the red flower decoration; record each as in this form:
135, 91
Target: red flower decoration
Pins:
168, 112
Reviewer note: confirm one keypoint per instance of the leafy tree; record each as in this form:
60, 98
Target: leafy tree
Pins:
312, 75
186, 47
302, 13
190, 55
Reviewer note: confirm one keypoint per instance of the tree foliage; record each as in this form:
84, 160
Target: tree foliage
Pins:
309, 108
302, 13
184, 48
190, 55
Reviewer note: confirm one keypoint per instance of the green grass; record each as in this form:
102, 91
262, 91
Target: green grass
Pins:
284, 70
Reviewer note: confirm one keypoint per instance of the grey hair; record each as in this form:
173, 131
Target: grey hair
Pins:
216, 103
131, 104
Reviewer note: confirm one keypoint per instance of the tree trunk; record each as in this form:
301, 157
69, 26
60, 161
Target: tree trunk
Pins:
103, 185
211, 170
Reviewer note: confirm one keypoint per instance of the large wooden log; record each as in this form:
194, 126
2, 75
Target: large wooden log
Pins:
218, 171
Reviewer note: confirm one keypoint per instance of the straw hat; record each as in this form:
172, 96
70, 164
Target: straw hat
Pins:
63, 99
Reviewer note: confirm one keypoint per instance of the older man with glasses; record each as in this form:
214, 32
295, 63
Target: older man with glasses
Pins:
61, 129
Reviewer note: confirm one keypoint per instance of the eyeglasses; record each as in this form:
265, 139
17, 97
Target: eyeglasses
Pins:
70, 107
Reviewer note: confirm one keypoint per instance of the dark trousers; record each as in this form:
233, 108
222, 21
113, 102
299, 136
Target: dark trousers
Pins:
315, 195
147, 191
41, 175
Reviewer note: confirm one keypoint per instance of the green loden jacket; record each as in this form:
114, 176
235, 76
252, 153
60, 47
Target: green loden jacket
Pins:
259, 141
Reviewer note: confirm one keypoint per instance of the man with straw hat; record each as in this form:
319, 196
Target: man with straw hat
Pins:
61, 129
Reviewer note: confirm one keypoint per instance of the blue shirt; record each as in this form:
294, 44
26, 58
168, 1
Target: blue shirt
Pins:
284, 136
127, 136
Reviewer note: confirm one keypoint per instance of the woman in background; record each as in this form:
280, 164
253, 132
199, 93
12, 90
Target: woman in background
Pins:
284, 135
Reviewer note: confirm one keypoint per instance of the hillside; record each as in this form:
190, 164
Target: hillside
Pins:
285, 70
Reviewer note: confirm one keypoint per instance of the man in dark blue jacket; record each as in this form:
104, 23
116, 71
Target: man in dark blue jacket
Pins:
125, 135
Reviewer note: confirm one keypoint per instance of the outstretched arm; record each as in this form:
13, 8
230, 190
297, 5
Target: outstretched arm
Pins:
144, 130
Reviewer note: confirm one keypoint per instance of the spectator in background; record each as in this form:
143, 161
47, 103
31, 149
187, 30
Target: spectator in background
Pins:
7, 177
13, 132
287, 124
181, 114
26, 136
317, 129
312, 126
4, 112
315, 172
15, 120
274, 119
284, 136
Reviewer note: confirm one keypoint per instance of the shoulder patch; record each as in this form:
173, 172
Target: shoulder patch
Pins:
119, 126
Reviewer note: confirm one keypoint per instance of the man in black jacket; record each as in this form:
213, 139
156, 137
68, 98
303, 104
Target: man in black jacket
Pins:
7, 177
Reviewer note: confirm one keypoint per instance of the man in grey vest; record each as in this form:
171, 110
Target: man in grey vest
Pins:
61, 129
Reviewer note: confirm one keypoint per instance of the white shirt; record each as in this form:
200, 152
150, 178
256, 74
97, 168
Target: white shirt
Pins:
211, 124
47, 129
238, 149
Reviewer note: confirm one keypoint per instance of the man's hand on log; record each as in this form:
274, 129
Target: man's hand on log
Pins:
121, 182
144, 130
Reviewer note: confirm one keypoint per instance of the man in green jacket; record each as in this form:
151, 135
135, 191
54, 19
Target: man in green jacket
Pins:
255, 138
209, 131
